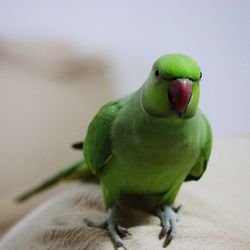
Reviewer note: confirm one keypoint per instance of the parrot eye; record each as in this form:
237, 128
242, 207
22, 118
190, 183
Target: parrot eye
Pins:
200, 75
157, 73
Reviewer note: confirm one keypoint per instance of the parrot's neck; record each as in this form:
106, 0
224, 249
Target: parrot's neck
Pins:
141, 102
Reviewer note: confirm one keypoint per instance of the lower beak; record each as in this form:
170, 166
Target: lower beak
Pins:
180, 92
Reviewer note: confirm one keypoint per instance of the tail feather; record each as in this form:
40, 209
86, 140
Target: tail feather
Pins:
74, 171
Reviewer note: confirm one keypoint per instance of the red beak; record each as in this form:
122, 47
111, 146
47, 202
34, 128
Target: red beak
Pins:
179, 92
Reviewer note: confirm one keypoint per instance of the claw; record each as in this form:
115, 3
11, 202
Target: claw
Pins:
123, 231
169, 238
177, 209
121, 244
163, 233
169, 233
168, 217
115, 230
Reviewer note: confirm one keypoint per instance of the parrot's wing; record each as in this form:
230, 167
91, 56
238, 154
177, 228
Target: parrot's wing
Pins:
201, 165
97, 144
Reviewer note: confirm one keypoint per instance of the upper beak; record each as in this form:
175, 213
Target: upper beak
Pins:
179, 92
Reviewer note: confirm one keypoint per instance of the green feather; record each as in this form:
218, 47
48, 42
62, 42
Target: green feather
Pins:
75, 171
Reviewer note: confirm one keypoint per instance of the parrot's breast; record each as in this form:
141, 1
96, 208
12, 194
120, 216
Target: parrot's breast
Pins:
151, 155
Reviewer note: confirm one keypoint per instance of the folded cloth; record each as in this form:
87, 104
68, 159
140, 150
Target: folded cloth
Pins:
215, 213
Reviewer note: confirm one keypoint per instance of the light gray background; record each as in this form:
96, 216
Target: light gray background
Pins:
134, 33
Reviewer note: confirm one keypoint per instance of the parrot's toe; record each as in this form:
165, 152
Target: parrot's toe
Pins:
123, 232
168, 217
116, 231
169, 237
91, 223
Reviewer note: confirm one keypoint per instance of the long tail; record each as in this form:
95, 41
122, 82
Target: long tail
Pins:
75, 171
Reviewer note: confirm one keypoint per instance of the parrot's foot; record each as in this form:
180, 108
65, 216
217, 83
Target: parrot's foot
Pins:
168, 217
116, 231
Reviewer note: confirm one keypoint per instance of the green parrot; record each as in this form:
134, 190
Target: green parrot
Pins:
147, 143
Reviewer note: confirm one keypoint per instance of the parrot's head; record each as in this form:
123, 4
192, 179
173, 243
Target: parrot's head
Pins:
172, 88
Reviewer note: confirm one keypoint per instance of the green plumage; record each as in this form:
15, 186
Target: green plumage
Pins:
135, 153
147, 143
74, 171
138, 144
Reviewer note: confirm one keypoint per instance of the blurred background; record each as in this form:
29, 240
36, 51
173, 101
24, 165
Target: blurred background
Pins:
61, 60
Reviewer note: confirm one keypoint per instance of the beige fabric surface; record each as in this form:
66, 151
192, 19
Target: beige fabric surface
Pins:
215, 214
49, 93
